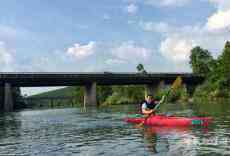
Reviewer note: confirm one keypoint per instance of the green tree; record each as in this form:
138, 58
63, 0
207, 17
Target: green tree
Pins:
216, 72
103, 92
126, 94
140, 68
225, 61
201, 61
224, 67
79, 95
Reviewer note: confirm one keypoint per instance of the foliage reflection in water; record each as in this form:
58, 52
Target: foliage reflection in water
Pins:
102, 131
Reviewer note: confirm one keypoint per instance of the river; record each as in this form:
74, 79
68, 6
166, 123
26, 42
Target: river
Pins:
102, 131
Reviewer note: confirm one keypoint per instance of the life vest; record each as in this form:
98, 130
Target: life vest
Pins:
151, 105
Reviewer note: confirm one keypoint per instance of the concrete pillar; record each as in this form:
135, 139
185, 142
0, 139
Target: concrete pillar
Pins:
8, 98
151, 89
90, 94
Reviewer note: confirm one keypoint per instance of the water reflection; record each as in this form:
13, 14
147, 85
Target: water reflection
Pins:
102, 131
172, 140
9, 134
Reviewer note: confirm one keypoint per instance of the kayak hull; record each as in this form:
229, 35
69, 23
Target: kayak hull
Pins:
161, 120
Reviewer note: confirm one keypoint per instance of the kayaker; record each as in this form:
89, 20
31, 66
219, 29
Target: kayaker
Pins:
148, 105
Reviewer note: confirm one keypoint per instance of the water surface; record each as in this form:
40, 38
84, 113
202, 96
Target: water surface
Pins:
102, 131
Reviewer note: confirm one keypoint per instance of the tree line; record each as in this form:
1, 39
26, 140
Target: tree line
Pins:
215, 70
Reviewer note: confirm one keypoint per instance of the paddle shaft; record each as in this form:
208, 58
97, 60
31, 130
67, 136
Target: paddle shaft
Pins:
163, 99
174, 86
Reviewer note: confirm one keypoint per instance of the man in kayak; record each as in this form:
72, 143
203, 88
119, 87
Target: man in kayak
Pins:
148, 106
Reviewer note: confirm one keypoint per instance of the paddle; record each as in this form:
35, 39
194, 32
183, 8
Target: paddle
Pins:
176, 84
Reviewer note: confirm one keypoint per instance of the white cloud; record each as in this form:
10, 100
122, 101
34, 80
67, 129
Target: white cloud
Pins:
130, 52
132, 9
167, 2
54, 61
82, 51
114, 61
6, 58
160, 27
179, 40
219, 20
176, 49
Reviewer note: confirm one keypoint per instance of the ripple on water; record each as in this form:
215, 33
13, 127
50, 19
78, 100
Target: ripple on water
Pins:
103, 132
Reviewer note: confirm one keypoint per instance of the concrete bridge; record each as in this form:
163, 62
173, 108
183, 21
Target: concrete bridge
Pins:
9, 81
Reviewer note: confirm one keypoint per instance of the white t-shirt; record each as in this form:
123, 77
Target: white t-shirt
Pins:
144, 106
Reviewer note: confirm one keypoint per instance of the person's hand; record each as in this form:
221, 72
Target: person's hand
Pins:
162, 99
152, 111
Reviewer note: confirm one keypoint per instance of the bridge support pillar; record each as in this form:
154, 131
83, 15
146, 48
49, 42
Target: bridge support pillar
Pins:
90, 96
8, 98
151, 89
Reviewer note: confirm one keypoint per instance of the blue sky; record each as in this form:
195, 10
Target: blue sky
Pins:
108, 35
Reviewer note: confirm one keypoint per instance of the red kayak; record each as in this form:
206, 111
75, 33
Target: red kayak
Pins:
162, 120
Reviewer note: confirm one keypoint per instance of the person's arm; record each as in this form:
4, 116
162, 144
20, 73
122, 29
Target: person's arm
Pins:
144, 111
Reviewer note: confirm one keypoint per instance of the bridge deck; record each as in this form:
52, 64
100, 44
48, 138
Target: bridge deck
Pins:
32, 79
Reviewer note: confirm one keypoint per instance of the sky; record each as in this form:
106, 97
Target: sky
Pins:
108, 35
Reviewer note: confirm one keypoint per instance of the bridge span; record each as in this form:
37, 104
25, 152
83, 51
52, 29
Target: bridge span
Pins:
11, 80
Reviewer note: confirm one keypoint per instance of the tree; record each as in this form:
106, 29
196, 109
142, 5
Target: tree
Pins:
216, 72
225, 61
224, 65
79, 94
103, 92
201, 61
140, 68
